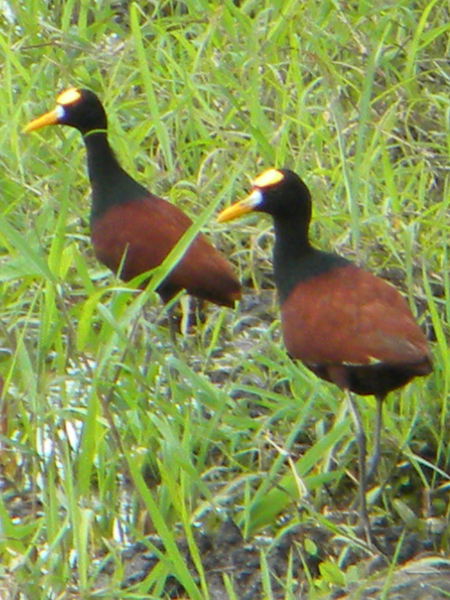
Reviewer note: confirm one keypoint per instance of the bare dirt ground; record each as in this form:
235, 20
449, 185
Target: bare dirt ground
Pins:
419, 573
407, 564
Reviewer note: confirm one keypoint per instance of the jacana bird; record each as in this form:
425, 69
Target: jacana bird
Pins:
346, 325
132, 230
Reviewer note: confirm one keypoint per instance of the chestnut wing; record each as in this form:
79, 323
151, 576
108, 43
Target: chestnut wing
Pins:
349, 316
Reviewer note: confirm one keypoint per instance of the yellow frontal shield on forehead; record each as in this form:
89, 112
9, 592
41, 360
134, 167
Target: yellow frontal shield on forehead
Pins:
268, 178
69, 96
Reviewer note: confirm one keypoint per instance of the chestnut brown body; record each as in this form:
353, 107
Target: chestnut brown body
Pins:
348, 326
355, 330
138, 235
132, 229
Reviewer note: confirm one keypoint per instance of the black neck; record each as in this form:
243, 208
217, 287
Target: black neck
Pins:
294, 259
110, 184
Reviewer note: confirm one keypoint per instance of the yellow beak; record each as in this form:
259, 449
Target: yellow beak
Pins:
50, 118
241, 208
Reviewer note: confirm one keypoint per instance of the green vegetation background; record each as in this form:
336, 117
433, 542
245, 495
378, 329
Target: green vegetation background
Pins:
109, 429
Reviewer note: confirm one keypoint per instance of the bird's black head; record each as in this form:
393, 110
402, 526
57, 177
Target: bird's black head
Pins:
77, 108
278, 192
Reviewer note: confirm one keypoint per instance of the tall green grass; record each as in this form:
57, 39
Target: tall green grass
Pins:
112, 430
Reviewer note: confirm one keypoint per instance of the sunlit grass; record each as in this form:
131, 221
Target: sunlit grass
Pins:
112, 430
